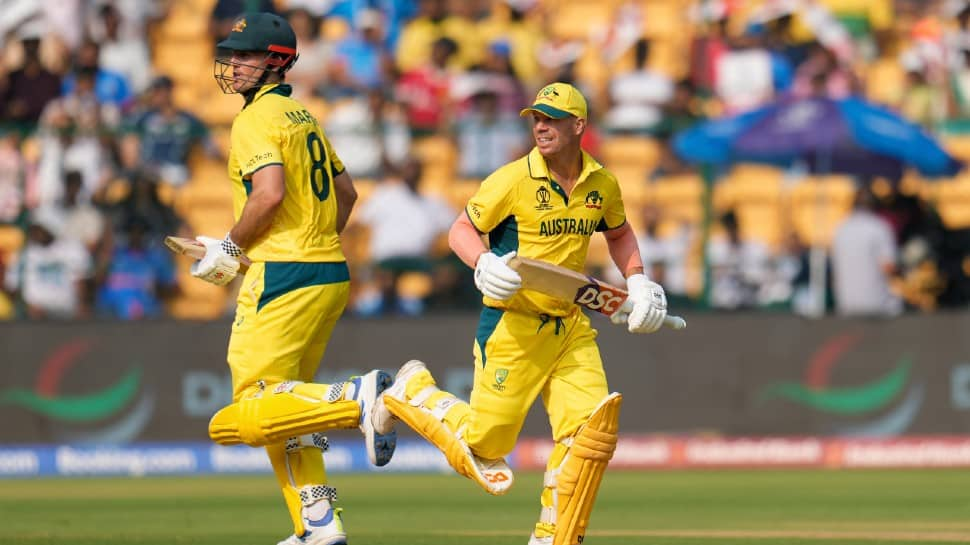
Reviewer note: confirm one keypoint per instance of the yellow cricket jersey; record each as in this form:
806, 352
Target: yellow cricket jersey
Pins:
274, 129
520, 207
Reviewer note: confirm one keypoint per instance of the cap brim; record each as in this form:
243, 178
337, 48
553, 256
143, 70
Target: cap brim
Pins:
545, 110
230, 43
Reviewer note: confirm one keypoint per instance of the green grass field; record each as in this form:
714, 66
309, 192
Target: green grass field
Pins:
656, 508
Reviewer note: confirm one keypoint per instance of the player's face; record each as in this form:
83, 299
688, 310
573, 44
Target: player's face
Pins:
247, 68
238, 71
555, 135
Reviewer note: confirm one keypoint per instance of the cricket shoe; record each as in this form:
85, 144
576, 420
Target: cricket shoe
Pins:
379, 442
382, 418
326, 530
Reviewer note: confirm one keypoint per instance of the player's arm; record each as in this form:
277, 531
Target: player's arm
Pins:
622, 243
343, 187
644, 311
466, 241
493, 276
221, 261
269, 188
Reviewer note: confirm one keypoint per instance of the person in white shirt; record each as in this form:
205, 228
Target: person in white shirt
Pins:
864, 257
51, 272
637, 97
370, 132
128, 56
81, 220
487, 137
404, 225
739, 267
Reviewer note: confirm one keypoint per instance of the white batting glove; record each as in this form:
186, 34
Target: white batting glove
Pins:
622, 315
494, 277
217, 267
649, 304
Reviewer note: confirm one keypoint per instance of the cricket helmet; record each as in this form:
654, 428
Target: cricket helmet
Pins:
256, 32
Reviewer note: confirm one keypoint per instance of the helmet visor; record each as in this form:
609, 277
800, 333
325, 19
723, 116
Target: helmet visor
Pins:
238, 71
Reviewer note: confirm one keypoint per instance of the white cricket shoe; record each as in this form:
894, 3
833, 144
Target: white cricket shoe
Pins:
382, 418
327, 530
379, 442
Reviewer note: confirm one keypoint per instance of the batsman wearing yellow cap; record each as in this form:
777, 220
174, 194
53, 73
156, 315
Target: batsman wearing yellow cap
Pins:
291, 198
545, 206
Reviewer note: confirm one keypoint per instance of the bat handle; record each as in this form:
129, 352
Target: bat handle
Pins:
675, 322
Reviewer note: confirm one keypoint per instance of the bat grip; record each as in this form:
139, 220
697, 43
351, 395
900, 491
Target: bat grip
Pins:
675, 322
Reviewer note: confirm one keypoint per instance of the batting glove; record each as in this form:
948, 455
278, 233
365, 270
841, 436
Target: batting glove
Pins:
217, 266
649, 304
622, 315
494, 277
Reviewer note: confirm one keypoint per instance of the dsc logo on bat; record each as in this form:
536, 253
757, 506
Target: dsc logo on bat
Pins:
596, 297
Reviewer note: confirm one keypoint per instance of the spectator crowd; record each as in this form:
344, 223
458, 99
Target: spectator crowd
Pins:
101, 138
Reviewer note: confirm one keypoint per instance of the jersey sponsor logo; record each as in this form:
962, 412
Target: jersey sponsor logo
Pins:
543, 196
258, 158
596, 297
475, 211
567, 226
301, 117
594, 200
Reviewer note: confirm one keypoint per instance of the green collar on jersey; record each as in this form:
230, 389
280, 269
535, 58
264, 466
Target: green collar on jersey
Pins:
282, 89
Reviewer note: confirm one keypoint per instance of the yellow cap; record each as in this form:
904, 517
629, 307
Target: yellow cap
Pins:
558, 100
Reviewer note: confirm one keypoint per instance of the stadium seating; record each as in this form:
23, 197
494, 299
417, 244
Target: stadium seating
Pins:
575, 20
439, 159
818, 205
639, 151
755, 194
952, 200
11, 241
679, 198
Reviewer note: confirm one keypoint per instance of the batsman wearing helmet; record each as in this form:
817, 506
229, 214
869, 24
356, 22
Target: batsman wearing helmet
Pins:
545, 206
291, 198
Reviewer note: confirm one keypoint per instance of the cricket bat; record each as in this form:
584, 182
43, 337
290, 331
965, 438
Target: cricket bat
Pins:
196, 250
583, 290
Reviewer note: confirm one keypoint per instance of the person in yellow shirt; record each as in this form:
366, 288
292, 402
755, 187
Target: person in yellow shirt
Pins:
435, 20
291, 199
545, 206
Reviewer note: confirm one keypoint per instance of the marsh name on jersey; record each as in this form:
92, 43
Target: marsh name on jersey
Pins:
300, 117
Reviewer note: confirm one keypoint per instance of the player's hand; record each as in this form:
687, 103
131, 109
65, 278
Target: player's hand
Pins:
648, 304
621, 315
217, 267
494, 277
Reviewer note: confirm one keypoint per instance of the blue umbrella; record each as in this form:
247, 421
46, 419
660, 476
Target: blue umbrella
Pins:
848, 136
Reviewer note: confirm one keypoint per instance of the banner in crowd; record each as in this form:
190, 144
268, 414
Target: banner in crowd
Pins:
730, 375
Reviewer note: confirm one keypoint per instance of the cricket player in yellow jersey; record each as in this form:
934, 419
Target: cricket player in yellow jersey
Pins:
291, 198
545, 206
